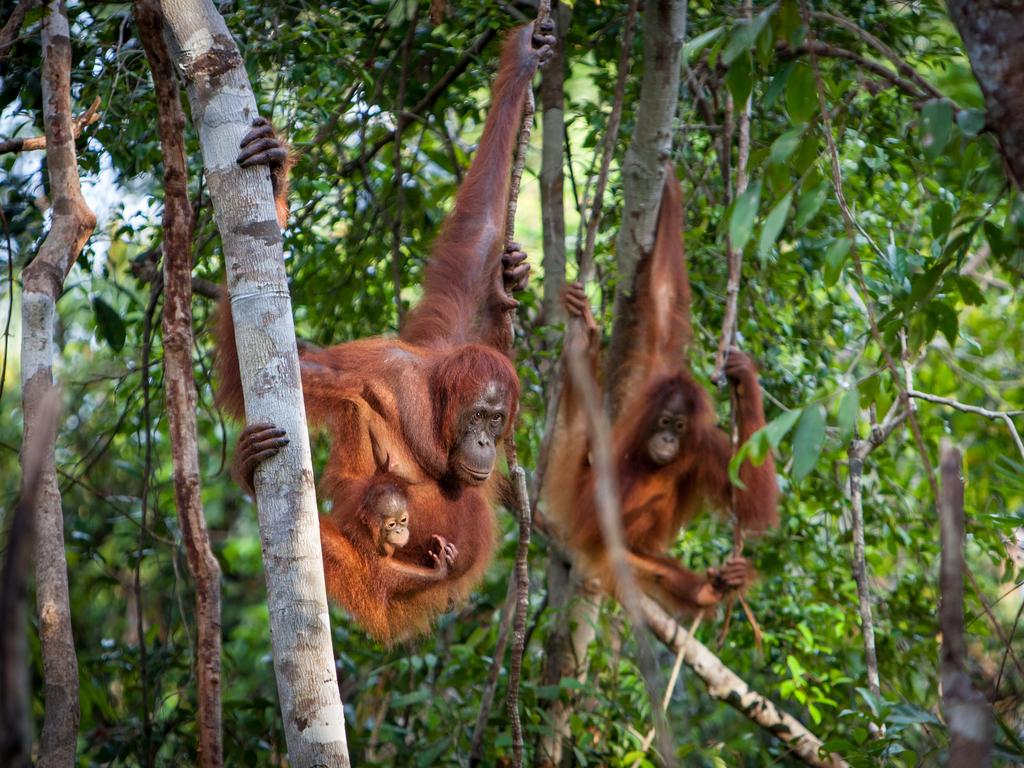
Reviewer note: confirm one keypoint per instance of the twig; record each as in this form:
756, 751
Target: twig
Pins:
10, 298
399, 186
968, 714
431, 96
726, 686
858, 266
491, 686
901, 64
835, 52
1005, 416
10, 30
857, 453
585, 253
606, 498
33, 143
516, 472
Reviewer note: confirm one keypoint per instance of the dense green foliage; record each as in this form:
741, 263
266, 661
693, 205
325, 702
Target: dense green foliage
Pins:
941, 239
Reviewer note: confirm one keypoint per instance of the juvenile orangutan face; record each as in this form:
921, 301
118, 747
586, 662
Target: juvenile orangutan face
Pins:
390, 510
666, 437
482, 425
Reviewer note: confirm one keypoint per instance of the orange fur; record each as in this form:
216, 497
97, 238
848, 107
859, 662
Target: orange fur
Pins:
656, 501
405, 397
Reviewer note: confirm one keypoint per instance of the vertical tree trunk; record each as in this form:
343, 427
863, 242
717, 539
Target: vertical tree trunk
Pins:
552, 172
968, 714
43, 281
643, 170
179, 382
993, 34
223, 108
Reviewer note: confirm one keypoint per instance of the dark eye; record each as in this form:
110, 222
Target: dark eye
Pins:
479, 415
389, 524
680, 425
405, 519
497, 418
663, 422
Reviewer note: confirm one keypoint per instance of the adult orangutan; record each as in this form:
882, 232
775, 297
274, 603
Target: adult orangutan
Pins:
432, 405
670, 456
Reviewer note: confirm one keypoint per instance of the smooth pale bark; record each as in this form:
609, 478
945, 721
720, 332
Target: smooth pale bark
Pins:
643, 169
223, 108
725, 685
179, 382
43, 281
968, 714
993, 34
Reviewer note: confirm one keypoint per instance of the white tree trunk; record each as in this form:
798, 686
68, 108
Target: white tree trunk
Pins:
43, 281
223, 108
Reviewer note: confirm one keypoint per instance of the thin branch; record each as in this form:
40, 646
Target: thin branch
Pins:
491, 686
1005, 416
901, 64
585, 253
33, 143
424, 104
726, 686
835, 52
10, 30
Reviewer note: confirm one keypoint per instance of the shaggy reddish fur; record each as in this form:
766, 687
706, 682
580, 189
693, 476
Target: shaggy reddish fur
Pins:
656, 501
404, 398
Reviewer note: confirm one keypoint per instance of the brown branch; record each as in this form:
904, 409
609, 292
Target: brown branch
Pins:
968, 714
424, 104
10, 30
585, 253
33, 143
491, 686
178, 222
516, 473
901, 64
826, 50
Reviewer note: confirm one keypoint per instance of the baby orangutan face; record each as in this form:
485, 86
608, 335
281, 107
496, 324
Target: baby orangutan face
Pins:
664, 442
386, 515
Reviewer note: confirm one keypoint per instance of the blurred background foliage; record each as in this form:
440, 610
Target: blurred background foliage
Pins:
941, 237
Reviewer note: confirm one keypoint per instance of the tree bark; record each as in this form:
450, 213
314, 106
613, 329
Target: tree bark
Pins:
552, 172
993, 34
725, 685
43, 282
223, 108
179, 381
968, 714
643, 170
15, 660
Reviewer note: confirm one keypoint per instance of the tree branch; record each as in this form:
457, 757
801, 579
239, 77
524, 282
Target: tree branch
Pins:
33, 143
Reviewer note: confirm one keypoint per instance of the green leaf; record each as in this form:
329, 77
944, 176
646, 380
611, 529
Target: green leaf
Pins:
942, 219
740, 80
970, 292
109, 324
744, 35
773, 225
971, 121
779, 427
946, 319
936, 127
849, 407
808, 442
741, 223
810, 203
777, 85
835, 260
786, 145
801, 94
701, 42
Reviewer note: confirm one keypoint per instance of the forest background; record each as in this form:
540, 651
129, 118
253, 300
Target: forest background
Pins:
930, 250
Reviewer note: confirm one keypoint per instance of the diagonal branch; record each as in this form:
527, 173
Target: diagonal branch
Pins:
34, 143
